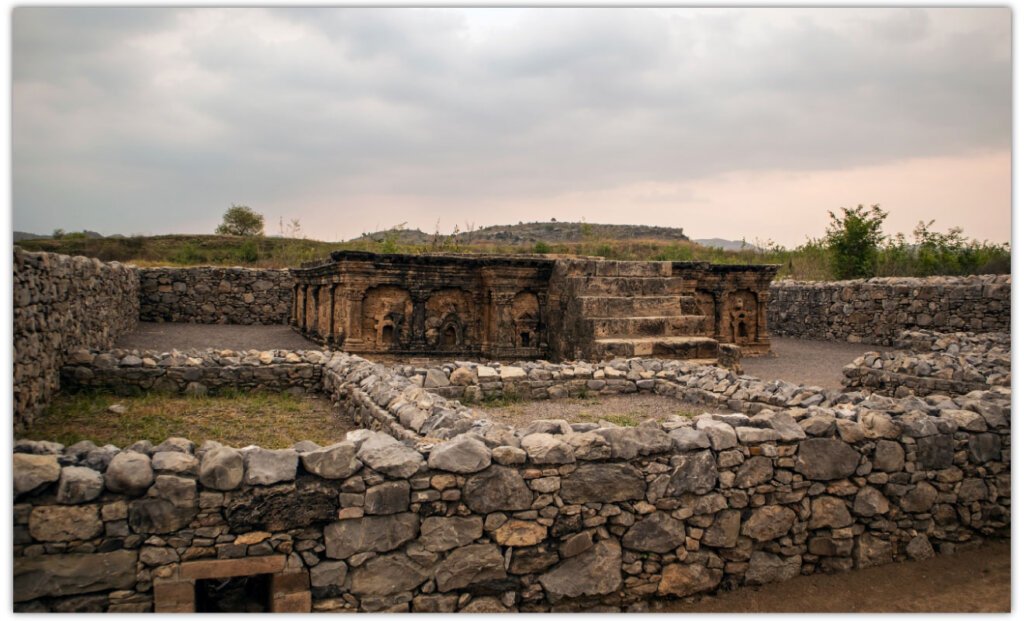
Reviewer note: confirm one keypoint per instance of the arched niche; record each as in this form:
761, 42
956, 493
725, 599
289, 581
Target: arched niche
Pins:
451, 320
387, 311
527, 326
742, 316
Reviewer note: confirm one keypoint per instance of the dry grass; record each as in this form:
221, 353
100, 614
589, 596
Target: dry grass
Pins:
622, 410
270, 420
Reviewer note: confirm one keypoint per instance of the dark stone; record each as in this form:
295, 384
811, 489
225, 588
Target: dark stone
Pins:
658, 532
497, 489
826, 459
532, 560
284, 506
697, 473
56, 575
603, 483
984, 447
935, 452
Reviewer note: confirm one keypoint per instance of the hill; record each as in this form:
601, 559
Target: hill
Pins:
551, 232
726, 244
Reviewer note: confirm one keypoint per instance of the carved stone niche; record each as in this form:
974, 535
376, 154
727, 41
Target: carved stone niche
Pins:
387, 311
528, 329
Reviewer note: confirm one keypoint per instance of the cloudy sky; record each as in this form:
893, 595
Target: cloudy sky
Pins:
732, 123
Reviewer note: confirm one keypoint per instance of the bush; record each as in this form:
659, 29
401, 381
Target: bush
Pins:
248, 251
241, 220
853, 241
541, 248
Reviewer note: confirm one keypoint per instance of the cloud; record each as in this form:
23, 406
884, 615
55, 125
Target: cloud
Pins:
157, 119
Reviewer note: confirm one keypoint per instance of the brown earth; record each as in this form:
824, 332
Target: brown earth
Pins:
167, 336
976, 580
624, 410
802, 361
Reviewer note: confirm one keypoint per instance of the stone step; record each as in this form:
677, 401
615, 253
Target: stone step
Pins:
640, 327
682, 347
644, 306
630, 286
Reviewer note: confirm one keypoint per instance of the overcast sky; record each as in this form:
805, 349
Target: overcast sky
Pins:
734, 123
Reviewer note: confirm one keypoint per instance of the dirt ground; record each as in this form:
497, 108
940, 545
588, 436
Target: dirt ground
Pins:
814, 363
975, 580
168, 336
624, 410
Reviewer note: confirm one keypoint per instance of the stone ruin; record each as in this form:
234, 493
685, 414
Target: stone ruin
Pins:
531, 307
433, 507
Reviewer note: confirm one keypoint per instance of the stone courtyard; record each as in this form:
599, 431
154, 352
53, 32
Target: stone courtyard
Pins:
826, 458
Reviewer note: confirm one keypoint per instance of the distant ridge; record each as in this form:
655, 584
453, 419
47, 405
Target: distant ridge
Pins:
726, 244
532, 232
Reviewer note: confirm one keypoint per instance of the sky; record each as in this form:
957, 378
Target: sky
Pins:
731, 123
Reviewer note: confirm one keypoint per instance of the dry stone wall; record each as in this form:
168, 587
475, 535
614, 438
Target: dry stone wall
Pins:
465, 514
62, 303
233, 295
878, 310
194, 372
934, 363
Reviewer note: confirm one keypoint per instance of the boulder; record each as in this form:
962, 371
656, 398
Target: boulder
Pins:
871, 550
919, 499
463, 376
469, 565
175, 463
595, 572
283, 506
369, 534
129, 473
682, 580
387, 498
328, 574
766, 567
920, 548
826, 459
696, 473
724, 531
393, 459
78, 485
544, 448
603, 483
435, 378
769, 522
463, 454
170, 505
222, 469
689, 439
266, 466
59, 575
520, 533
870, 502
935, 452
57, 523
829, 512
755, 471
337, 461
34, 471
387, 575
888, 457
439, 534
721, 435
657, 532
497, 489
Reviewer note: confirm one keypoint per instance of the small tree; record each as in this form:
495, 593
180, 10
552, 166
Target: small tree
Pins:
853, 241
241, 220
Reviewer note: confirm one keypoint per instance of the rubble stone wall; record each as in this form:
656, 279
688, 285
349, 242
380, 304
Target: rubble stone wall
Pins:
879, 309
233, 295
550, 516
933, 363
61, 303
195, 372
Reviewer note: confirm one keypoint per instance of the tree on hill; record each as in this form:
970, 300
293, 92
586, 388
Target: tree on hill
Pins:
241, 220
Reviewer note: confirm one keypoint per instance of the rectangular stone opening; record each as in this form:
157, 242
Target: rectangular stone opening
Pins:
235, 594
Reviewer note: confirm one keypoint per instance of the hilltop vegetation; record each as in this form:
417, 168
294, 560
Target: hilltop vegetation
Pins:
930, 252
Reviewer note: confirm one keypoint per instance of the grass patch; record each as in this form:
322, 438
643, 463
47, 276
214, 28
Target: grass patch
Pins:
270, 420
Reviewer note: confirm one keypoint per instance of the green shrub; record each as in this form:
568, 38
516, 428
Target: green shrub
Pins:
853, 241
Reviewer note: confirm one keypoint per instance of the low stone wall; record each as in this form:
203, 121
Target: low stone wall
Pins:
551, 517
233, 295
443, 509
196, 372
61, 303
879, 309
934, 364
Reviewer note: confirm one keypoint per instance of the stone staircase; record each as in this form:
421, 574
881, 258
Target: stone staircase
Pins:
640, 309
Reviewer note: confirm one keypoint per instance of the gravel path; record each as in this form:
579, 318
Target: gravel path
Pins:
814, 363
168, 336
